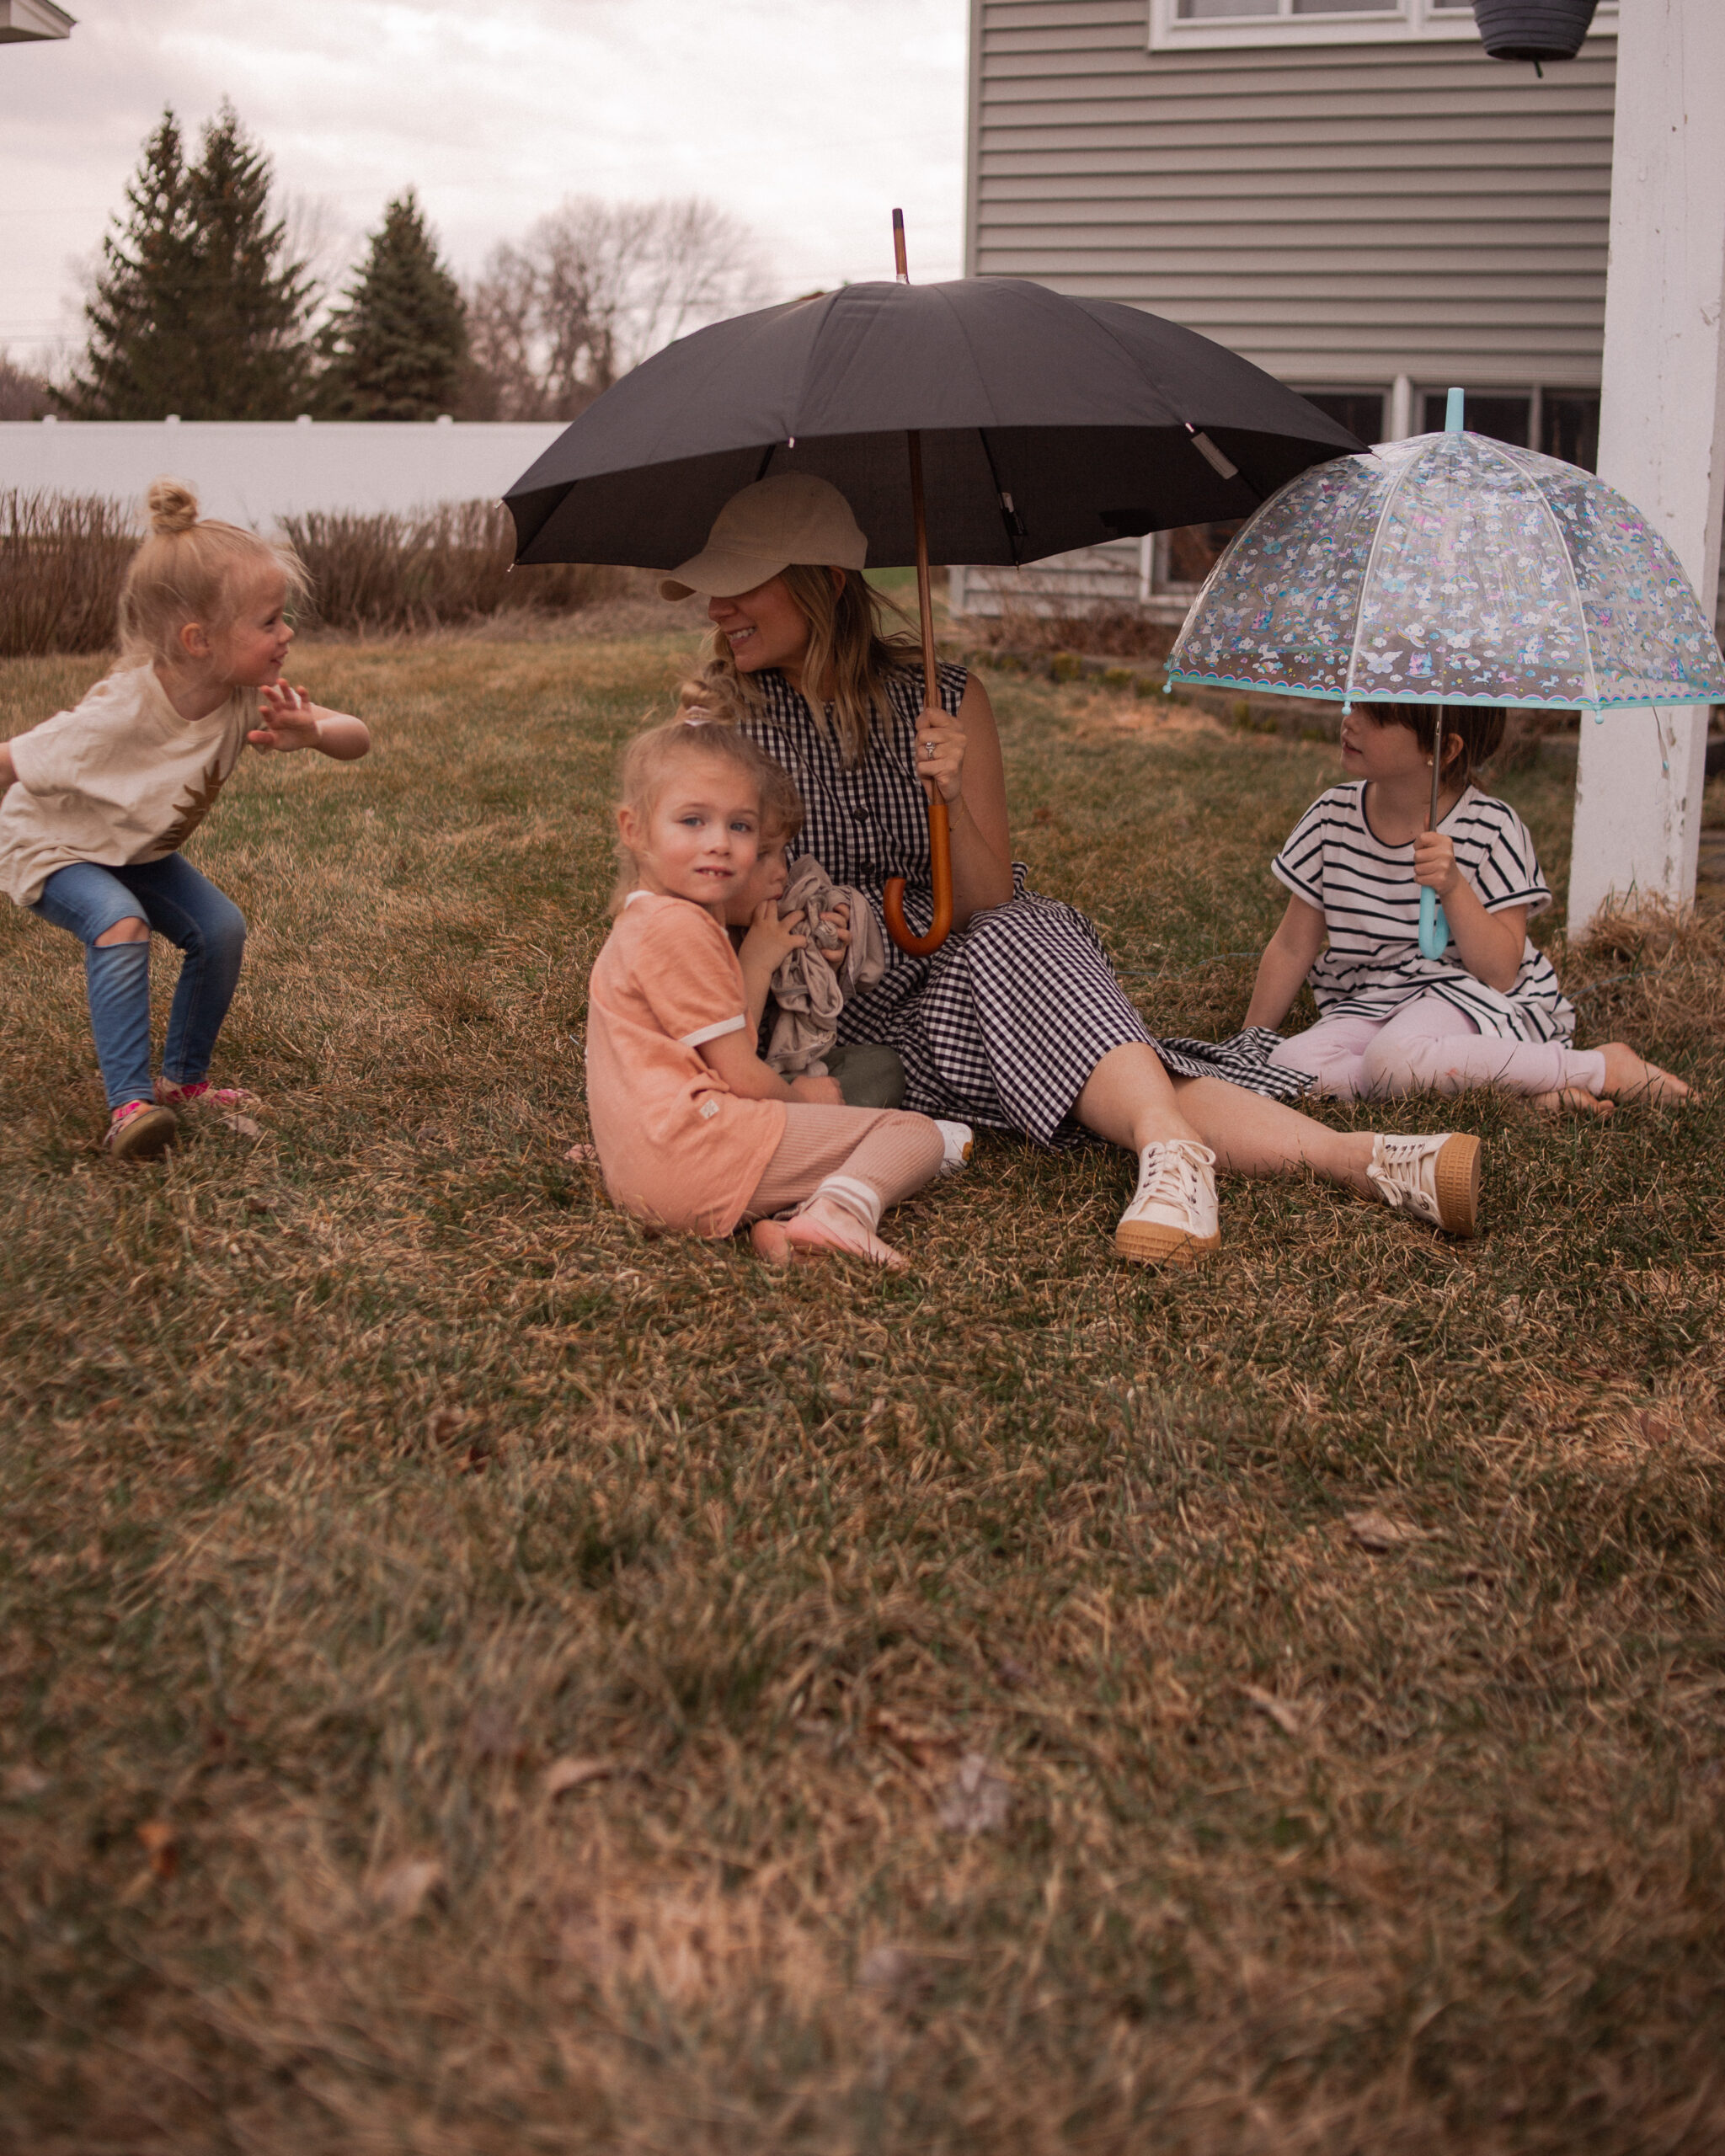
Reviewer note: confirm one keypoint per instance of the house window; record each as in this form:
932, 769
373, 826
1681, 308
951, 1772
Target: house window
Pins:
1177, 25
1503, 418
1562, 423
1217, 11
1361, 411
1569, 427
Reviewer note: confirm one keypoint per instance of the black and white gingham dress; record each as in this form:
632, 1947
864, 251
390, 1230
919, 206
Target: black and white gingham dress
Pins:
1001, 1027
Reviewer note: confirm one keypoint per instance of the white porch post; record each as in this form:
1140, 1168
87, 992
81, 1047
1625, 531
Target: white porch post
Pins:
1662, 426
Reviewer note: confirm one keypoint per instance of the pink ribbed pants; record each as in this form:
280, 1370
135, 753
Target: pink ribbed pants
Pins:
845, 1153
1430, 1046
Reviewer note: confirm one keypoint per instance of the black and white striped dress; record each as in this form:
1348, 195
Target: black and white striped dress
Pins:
1369, 901
1001, 1027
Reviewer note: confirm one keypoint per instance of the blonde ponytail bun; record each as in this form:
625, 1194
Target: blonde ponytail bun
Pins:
194, 568
173, 508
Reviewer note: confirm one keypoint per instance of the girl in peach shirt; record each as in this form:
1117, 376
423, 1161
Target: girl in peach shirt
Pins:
694, 1132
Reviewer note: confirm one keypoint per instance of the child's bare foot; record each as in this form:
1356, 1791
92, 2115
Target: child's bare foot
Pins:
825, 1225
1570, 1100
584, 1156
1627, 1073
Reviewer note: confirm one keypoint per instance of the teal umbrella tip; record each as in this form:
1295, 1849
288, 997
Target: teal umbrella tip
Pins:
1453, 421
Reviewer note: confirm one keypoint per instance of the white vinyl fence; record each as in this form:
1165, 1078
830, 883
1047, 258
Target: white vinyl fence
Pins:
252, 472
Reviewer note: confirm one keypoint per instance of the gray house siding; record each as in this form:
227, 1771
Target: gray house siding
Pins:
1343, 214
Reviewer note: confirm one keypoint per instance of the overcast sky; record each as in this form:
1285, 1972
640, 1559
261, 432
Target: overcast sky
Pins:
809, 119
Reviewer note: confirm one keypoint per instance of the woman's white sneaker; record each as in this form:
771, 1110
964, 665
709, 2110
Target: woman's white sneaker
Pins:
1172, 1219
1436, 1179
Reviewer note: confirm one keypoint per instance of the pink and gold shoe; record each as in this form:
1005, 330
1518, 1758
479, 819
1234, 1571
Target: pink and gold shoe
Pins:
201, 1094
138, 1130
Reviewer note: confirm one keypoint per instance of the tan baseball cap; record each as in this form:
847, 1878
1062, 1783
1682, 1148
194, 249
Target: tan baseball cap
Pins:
791, 517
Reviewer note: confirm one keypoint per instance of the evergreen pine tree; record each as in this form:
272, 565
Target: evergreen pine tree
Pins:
197, 308
249, 299
137, 356
397, 348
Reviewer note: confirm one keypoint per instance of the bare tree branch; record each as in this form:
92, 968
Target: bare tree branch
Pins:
594, 289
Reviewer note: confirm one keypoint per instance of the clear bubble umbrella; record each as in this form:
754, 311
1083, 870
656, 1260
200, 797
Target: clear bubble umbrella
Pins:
1452, 569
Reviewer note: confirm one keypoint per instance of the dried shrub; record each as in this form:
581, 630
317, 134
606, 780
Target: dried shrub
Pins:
1649, 971
447, 564
1111, 632
61, 558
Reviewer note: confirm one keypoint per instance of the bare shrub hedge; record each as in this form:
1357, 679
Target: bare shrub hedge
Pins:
62, 557
447, 564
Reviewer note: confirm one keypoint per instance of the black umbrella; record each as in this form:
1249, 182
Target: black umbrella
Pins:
1040, 422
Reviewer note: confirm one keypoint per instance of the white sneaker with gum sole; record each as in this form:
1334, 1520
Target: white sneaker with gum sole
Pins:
1436, 1179
1172, 1219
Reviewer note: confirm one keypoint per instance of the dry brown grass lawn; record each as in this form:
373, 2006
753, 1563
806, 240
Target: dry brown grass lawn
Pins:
478, 1681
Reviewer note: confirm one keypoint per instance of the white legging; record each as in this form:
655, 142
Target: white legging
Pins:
1430, 1046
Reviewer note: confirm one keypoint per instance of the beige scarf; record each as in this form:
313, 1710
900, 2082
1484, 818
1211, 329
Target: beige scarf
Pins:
809, 990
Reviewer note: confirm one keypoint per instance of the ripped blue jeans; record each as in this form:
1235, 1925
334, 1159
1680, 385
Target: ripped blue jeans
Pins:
88, 899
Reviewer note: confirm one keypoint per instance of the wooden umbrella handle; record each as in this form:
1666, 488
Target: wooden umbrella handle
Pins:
940, 856
940, 843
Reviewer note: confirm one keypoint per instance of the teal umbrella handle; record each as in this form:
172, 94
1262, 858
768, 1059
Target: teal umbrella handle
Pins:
1433, 927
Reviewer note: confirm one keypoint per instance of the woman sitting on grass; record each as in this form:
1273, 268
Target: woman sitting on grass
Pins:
99, 800
693, 1131
1017, 1022
1391, 1021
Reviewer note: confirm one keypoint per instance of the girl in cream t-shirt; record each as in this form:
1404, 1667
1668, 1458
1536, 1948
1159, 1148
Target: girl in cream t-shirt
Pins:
99, 800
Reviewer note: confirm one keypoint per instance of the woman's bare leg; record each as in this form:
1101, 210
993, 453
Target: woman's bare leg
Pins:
1130, 1099
1252, 1135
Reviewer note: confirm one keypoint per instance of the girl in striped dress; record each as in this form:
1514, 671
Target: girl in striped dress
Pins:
1017, 1023
1489, 1012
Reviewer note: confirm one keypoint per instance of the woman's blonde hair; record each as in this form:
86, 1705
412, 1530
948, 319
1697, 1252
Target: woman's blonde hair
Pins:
652, 757
851, 655
193, 568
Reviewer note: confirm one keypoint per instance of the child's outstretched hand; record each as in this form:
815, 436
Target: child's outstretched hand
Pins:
770, 941
1434, 863
290, 720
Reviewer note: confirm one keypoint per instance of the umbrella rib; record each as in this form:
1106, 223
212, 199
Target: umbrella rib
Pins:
1007, 518
1587, 641
1138, 368
1371, 563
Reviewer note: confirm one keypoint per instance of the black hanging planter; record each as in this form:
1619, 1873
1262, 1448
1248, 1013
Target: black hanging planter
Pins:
1532, 29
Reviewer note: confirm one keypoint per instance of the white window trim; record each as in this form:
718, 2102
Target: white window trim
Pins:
1403, 22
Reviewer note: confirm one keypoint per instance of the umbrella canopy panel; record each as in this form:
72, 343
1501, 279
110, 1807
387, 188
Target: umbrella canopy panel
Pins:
1048, 423
1450, 568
